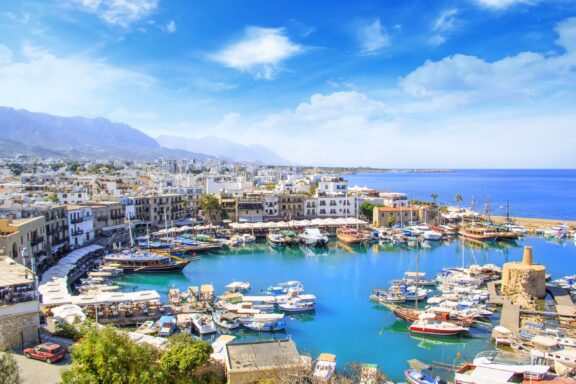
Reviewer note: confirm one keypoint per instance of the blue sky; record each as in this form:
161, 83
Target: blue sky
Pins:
468, 83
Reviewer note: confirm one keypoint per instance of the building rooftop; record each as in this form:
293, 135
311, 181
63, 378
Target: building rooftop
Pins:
262, 355
13, 273
397, 209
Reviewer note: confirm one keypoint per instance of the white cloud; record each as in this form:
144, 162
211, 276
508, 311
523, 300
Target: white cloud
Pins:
443, 26
502, 4
42, 81
261, 51
372, 37
119, 12
5, 55
171, 27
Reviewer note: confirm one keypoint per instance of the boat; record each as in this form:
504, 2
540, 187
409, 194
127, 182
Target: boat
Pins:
312, 237
477, 233
351, 235
238, 286
427, 325
203, 324
432, 235
393, 295
174, 296
147, 328
417, 377
413, 278
265, 322
297, 305
166, 326
325, 366
226, 320
286, 287
276, 239
145, 262
219, 347
548, 349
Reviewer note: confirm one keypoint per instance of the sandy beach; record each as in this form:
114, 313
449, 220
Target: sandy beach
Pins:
532, 223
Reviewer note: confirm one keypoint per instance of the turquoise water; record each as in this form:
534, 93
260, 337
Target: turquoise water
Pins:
346, 323
546, 194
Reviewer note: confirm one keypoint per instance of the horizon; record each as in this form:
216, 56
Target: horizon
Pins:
478, 83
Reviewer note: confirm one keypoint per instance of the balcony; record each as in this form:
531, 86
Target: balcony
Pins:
77, 220
78, 232
37, 240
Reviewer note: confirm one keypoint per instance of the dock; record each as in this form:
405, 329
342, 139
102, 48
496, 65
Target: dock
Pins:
510, 317
495, 298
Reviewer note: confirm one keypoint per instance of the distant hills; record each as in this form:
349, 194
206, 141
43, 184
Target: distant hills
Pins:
224, 149
46, 135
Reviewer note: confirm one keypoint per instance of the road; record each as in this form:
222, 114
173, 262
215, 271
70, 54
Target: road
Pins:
38, 372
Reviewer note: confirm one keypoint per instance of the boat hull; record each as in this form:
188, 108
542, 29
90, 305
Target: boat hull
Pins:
434, 331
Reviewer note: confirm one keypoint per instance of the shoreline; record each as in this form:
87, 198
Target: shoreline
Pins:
534, 223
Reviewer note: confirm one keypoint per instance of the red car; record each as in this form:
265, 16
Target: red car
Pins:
48, 352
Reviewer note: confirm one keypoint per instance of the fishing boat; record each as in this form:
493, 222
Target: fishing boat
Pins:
203, 324
369, 374
325, 366
276, 239
147, 328
432, 235
238, 286
226, 320
413, 278
174, 296
265, 322
416, 377
393, 295
166, 326
351, 235
427, 325
312, 237
145, 262
297, 305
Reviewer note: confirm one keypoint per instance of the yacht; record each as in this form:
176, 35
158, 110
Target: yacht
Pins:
325, 366
226, 319
312, 237
426, 324
265, 322
145, 262
203, 324
166, 326
238, 286
416, 377
297, 305
432, 235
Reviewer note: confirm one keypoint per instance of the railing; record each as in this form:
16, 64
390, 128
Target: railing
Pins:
78, 232
77, 220
37, 240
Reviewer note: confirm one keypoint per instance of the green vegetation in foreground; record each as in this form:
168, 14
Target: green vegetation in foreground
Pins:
107, 356
9, 372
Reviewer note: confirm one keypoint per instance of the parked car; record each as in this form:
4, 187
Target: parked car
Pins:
48, 352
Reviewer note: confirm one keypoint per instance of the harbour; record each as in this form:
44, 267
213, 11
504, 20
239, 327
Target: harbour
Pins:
341, 279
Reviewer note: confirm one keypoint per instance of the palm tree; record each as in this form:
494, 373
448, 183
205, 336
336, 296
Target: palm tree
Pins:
458, 199
434, 196
209, 204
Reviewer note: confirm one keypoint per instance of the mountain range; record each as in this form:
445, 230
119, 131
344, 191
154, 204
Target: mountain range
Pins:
224, 149
46, 135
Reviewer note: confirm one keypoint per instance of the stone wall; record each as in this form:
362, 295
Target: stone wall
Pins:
524, 282
19, 331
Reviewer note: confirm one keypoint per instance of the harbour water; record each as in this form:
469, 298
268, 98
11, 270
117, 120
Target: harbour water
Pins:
545, 194
345, 322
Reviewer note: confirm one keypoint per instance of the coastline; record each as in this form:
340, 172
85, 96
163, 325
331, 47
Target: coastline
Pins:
533, 223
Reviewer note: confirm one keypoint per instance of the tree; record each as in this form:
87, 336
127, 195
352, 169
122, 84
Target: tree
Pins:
181, 361
9, 371
458, 199
391, 220
53, 198
367, 210
110, 357
209, 204
434, 196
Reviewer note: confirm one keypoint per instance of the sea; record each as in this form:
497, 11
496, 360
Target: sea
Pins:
544, 194
345, 322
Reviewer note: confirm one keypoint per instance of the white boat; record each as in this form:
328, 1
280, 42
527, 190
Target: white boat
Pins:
238, 286
297, 305
203, 324
265, 322
325, 366
312, 237
428, 326
432, 235
226, 319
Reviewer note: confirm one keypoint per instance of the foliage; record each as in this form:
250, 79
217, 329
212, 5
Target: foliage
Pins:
209, 204
9, 371
53, 198
69, 331
110, 357
391, 220
181, 361
458, 199
313, 188
434, 196
367, 210
16, 169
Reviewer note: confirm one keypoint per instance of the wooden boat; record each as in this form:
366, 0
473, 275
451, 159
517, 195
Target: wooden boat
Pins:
325, 366
146, 262
351, 235
276, 239
477, 233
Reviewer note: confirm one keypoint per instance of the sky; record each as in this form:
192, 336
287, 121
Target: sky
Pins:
381, 83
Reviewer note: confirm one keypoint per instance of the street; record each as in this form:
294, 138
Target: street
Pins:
38, 372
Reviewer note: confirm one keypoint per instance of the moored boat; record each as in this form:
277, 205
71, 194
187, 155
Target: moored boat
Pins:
312, 237
203, 324
325, 366
429, 326
145, 262
351, 235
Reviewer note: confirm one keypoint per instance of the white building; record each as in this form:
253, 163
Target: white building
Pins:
333, 185
80, 225
73, 197
394, 199
231, 185
271, 203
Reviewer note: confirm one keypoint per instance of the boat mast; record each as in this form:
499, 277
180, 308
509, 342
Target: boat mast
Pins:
472, 208
130, 232
487, 209
417, 271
